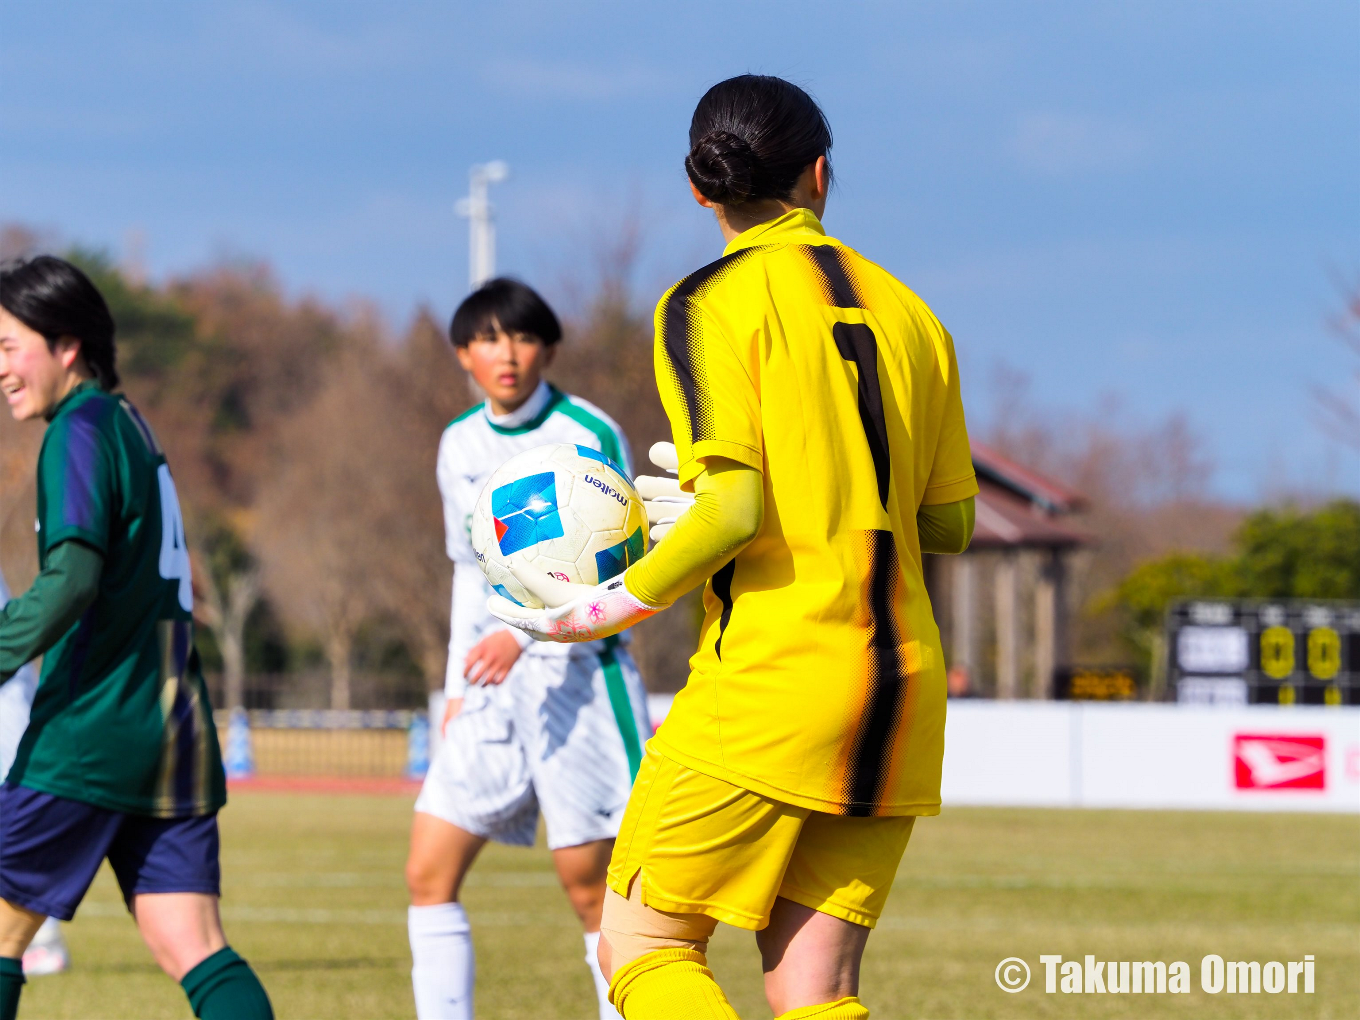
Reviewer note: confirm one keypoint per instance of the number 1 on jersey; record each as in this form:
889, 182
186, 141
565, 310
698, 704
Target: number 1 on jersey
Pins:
857, 343
174, 563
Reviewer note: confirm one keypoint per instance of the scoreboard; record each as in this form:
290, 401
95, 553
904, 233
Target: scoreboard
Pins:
1278, 652
1094, 683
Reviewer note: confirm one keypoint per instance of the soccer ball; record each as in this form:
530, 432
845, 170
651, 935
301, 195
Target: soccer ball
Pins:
567, 510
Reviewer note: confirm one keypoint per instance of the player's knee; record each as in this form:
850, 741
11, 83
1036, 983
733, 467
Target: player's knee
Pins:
18, 925
430, 879
632, 930
181, 930
177, 953
586, 898
423, 880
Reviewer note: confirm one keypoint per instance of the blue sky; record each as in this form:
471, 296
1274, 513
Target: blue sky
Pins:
1143, 206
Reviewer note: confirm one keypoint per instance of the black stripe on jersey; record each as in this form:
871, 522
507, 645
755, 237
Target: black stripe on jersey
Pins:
857, 344
682, 340
869, 755
722, 587
834, 268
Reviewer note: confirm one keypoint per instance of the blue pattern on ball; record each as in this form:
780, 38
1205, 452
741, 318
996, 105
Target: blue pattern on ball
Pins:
589, 454
527, 509
616, 559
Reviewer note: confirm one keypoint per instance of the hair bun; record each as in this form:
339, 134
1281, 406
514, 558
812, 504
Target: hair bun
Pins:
723, 167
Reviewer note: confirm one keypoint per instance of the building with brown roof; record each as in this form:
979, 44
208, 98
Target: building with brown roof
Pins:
1020, 528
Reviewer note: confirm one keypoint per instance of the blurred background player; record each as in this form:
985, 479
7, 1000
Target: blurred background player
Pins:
47, 953
120, 756
815, 406
528, 726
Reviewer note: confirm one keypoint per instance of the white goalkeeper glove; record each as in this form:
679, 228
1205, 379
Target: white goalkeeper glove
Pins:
573, 612
661, 495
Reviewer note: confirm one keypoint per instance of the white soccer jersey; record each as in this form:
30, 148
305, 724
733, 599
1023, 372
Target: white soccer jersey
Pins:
16, 698
474, 445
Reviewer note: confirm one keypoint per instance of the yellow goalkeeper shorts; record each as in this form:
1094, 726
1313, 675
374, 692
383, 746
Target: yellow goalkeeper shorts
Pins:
704, 846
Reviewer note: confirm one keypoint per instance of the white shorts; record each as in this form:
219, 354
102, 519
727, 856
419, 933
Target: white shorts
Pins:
563, 734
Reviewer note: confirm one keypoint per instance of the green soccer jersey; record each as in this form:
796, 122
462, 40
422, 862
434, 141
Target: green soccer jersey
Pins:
121, 718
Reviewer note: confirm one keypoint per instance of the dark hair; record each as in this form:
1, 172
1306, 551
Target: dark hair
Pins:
751, 138
514, 306
52, 297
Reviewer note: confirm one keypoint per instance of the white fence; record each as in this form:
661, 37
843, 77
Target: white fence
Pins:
1084, 754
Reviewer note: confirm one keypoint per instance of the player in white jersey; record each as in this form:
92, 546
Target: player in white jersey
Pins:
530, 726
47, 953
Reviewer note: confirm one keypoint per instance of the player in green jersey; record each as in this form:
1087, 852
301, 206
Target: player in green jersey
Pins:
120, 758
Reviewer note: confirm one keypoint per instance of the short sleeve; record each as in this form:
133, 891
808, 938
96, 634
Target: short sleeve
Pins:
951, 473
77, 476
457, 518
708, 389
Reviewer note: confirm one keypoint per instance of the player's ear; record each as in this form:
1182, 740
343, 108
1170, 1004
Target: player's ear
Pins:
464, 357
707, 203
66, 350
821, 178
549, 352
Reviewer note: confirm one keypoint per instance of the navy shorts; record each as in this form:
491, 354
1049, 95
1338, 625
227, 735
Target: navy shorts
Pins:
51, 848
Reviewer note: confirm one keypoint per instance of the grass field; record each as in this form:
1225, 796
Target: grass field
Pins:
314, 899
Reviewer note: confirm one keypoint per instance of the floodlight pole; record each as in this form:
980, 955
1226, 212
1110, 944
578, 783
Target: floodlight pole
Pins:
477, 208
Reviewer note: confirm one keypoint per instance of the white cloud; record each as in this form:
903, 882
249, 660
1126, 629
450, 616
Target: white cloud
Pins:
1061, 144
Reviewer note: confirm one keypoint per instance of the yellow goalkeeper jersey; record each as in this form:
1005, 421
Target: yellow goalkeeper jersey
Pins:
819, 678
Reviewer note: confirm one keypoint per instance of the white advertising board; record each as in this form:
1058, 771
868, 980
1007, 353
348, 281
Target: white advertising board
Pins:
1085, 754
1259, 758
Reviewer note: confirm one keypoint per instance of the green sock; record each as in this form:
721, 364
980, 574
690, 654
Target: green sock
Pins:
11, 984
223, 987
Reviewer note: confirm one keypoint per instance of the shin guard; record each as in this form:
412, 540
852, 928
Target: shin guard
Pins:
669, 984
11, 984
223, 987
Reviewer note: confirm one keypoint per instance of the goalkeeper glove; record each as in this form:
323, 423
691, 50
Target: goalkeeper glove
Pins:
662, 496
572, 612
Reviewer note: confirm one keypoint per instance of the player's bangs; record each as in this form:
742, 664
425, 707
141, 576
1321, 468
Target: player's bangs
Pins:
508, 304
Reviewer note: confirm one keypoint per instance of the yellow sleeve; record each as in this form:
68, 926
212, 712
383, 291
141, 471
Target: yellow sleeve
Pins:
945, 527
729, 505
707, 388
951, 473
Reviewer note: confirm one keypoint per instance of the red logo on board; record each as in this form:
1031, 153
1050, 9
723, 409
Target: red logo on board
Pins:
1280, 762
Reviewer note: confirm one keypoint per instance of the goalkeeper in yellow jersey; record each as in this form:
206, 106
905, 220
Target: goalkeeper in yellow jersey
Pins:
820, 448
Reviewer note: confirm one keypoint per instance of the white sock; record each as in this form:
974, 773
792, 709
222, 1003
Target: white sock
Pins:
607, 1012
49, 935
441, 955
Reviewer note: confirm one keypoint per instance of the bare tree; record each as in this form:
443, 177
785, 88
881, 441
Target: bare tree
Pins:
607, 357
430, 391
331, 521
1147, 487
19, 443
220, 406
18, 241
229, 587
1338, 410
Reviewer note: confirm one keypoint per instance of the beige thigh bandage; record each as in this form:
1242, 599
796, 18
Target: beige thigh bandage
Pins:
634, 929
17, 928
